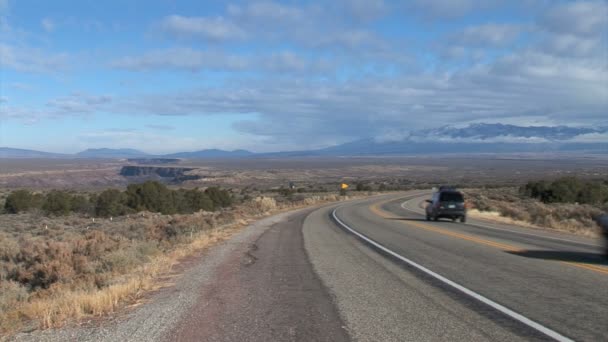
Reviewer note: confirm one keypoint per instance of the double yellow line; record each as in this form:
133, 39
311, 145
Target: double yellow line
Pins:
375, 208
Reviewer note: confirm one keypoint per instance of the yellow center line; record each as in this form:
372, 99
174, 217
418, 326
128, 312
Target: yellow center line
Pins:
591, 267
375, 208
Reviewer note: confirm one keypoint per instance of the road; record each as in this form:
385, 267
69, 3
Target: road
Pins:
374, 270
558, 282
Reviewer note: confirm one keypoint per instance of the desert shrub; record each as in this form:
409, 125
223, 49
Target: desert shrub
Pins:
567, 190
111, 202
8, 247
147, 249
40, 264
11, 293
152, 196
512, 203
18, 201
264, 204
120, 261
286, 192
81, 204
57, 202
194, 200
148, 196
363, 187
221, 198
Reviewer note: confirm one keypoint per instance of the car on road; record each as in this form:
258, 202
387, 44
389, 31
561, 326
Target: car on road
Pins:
603, 223
446, 203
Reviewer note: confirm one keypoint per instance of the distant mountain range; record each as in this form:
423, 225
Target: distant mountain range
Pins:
122, 153
474, 138
505, 133
7, 152
111, 153
212, 153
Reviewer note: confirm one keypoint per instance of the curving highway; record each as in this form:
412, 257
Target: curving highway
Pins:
396, 276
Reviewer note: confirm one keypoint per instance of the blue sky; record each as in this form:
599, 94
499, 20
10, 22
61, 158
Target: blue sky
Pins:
166, 76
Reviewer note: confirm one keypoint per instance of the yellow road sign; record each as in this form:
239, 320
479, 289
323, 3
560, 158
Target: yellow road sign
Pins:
344, 186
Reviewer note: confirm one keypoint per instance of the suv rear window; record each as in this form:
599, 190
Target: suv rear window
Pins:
451, 197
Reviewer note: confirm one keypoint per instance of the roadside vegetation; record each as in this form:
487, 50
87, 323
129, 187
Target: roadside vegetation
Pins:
66, 255
566, 204
149, 196
568, 190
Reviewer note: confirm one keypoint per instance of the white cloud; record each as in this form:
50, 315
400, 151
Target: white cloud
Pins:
182, 58
488, 34
575, 29
350, 39
4, 6
267, 11
20, 86
213, 29
77, 104
25, 59
584, 18
448, 8
48, 24
196, 60
334, 25
592, 138
161, 127
364, 10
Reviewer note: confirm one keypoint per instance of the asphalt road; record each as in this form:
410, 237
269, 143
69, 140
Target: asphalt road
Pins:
549, 284
373, 270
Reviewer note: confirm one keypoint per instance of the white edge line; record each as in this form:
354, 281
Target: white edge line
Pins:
507, 230
537, 326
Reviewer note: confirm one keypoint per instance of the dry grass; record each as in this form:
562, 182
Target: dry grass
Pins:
506, 205
57, 309
120, 266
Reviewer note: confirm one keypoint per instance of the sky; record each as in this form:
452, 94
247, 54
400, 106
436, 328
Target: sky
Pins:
167, 75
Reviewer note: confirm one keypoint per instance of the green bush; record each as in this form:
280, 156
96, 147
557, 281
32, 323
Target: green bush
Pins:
18, 201
195, 200
111, 202
57, 202
363, 187
81, 204
152, 196
220, 198
567, 190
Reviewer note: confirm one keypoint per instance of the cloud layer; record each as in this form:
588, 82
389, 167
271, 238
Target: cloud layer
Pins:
312, 74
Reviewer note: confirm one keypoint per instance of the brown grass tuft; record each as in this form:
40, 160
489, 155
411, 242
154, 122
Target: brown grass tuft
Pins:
506, 205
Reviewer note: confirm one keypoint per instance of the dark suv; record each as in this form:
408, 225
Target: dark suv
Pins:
603, 222
447, 203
